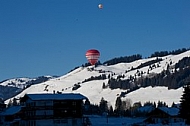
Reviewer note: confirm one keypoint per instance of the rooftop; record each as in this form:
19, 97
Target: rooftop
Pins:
66, 96
171, 111
11, 110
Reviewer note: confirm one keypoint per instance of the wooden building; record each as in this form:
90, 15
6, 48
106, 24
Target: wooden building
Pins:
52, 109
164, 115
46, 110
11, 116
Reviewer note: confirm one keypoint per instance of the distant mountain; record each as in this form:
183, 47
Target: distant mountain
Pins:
157, 78
11, 87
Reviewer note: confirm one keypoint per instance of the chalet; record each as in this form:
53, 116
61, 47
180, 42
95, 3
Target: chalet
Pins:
10, 116
46, 110
52, 109
164, 115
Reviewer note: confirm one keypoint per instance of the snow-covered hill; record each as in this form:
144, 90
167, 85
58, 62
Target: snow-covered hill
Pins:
23, 82
16, 82
11, 87
94, 91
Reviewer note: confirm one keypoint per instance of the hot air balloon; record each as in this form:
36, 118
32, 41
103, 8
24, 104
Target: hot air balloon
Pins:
92, 56
100, 6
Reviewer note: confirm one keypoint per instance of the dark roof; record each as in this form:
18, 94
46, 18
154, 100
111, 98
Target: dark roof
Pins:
147, 109
170, 111
11, 110
68, 96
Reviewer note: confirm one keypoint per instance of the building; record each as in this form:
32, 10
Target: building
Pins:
144, 110
52, 109
46, 110
164, 115
11, 116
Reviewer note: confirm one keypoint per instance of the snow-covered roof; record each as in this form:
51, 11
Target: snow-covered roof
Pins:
66, 96
11, 110
170, 110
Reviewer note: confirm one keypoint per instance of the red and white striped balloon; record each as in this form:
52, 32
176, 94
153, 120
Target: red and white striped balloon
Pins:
92, 56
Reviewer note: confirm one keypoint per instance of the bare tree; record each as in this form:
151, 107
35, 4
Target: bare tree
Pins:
127, 104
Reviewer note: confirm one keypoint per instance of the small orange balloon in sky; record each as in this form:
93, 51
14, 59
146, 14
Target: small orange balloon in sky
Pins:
100, 6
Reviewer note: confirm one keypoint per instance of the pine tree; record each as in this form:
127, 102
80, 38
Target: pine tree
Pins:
185, 103
110, 111
126, 104
103, 86
103, 105
118, 106
14, 103
10, 103
173, 105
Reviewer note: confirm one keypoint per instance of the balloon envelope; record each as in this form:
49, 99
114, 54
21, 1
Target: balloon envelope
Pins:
100, 6
92, 56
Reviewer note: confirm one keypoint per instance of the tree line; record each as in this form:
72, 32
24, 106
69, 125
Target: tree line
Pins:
165, 53
128, 59
123, 107
172, 78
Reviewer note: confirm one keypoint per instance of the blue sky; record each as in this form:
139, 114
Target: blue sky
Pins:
50, 37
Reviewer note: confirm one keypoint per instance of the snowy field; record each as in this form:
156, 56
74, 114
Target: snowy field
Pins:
103, 121
124, 121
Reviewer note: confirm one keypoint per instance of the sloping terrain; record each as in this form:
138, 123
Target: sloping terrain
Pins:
89, 81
